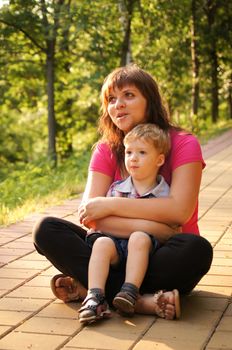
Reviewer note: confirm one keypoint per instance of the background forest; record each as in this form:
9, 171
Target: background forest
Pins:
54, 57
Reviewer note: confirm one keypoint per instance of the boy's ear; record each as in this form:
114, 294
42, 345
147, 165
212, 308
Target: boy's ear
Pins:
161, 159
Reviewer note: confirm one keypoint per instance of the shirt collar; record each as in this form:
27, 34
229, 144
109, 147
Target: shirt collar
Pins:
127, 187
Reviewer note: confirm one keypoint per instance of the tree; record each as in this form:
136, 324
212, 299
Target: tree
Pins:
126, 8
195, 60
39, 21
211, 7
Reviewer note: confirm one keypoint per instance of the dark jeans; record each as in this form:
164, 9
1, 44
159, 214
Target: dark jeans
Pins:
121, 246
180, 263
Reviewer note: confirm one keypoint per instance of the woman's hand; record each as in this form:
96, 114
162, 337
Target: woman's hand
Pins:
93, 209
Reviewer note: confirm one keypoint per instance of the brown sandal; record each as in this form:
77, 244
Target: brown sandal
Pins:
161, 303
72, 293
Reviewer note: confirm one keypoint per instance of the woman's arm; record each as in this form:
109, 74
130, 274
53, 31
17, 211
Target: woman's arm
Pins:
97, 185
173, 210
123, 227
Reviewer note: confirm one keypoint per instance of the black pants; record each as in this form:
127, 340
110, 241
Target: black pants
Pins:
180, 263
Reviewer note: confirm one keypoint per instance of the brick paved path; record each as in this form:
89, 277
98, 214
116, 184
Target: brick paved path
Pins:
31, 318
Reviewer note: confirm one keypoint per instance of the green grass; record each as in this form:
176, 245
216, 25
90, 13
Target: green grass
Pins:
33, 187
38, 186
211, 131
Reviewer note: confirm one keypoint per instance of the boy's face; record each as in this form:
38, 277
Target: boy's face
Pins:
142, 159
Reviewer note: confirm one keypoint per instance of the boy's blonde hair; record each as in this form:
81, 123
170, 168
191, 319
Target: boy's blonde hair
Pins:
150, 133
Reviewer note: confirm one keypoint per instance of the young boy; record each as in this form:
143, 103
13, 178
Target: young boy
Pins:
145, 149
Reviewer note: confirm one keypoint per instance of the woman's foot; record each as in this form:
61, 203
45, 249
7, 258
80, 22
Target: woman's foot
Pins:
67, 288
162, 304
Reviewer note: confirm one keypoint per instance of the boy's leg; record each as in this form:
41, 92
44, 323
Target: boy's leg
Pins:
103, 255
139, 246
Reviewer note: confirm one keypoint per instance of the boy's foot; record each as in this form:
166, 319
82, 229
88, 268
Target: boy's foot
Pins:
95, 307
163, 304
124, 303
67, 288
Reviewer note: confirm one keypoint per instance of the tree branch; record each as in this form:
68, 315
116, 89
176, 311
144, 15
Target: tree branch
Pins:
27, 35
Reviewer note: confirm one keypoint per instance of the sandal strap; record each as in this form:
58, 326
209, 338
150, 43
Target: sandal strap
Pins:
161, 305
97, 299
159, 310
72, 289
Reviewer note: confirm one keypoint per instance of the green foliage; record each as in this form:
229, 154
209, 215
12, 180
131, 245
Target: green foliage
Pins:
87, 46
36, 185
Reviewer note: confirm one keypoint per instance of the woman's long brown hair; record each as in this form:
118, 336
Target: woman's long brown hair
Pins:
156, 112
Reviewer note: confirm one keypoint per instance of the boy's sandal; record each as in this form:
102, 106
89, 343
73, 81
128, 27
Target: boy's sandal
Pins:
161, 303
94, 308
71, 288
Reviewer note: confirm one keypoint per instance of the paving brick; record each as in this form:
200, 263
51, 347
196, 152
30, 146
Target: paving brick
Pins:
222, 254
46, 325
6, 259
60, 310
136, 324
192, 330
4, 329
217, 280
29, 264
225, 324
9, 283
92, 338
147, 344
213, 291
222, 261
20, 273
4, 240
13, 251
22, 341
35, 256
51, 271
19, 244
39, 281
220, 340
27, 238
17, 304
220, 270
229, 311
11, 318
32, 292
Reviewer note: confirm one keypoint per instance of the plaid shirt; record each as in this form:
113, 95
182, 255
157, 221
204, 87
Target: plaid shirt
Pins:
125, 188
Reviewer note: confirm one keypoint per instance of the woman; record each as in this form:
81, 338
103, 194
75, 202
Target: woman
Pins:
129, 97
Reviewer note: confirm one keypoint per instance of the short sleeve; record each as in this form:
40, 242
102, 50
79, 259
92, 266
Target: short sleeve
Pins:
103, 161
185, 149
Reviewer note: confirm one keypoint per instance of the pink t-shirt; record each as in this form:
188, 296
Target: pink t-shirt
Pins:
185, 148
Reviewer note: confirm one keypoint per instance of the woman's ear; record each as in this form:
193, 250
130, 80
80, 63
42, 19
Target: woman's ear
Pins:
161, 160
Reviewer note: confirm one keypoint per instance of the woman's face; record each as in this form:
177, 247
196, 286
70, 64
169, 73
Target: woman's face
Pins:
127, 107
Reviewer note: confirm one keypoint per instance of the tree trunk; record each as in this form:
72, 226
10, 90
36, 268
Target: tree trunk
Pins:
195, 62
64, 131
214, 82
210, 9
230, 97
50, 58
126, 9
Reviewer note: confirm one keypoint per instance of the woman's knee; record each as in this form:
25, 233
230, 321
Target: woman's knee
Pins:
42, 228
195, 248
